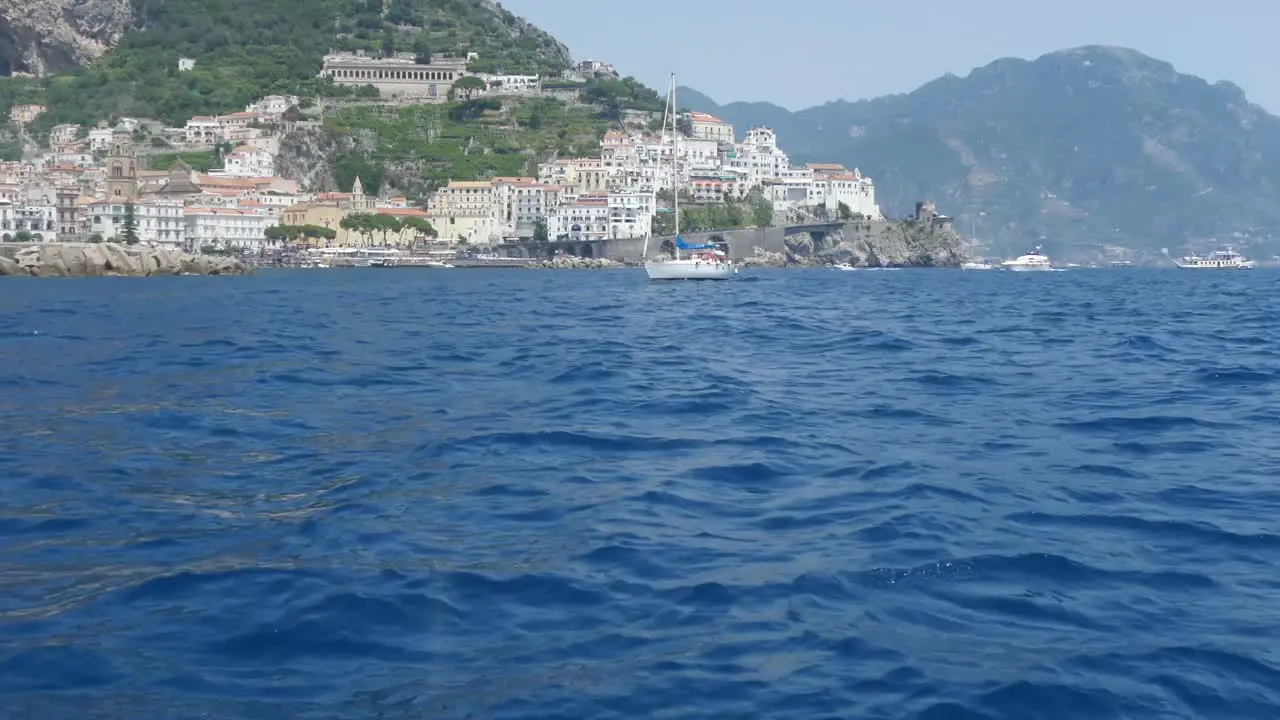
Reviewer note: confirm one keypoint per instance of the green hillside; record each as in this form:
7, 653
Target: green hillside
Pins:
422, 147
245, 49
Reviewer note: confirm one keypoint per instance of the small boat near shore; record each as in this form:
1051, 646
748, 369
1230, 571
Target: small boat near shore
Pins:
978, 265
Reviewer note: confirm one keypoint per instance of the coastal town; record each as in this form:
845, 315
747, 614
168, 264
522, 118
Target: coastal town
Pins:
97, 184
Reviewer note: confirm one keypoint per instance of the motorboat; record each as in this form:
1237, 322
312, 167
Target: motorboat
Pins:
1032, 261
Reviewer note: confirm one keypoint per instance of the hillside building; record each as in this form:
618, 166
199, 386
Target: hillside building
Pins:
396, 77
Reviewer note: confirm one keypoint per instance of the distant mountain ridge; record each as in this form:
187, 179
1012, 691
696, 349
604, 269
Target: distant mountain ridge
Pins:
1077, 149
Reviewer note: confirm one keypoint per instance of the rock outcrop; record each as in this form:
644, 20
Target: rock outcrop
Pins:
763, 258
570, 262
99, 259
897, 243
45, 36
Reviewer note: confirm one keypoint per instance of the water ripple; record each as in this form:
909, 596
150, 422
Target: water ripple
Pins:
500, 494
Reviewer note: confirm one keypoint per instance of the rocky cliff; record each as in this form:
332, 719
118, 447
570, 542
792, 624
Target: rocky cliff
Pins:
99, 259
895, 243
45, 36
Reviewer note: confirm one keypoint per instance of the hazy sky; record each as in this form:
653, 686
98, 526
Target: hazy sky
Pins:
799, 53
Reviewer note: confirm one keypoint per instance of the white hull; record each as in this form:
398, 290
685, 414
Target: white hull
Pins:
1246, 265
686, 269
1027, 268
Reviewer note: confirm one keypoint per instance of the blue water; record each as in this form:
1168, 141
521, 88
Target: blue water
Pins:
521, 494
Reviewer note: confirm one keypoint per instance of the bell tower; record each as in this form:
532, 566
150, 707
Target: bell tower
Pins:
122, 169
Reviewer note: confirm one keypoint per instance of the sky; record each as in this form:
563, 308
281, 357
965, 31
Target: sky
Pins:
801, 53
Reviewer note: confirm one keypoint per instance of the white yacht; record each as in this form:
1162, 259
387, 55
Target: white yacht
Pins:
1217, 260
1034, 260
706, 261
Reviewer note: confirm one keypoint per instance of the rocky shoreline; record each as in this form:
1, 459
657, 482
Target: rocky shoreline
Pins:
109, 260
572, 262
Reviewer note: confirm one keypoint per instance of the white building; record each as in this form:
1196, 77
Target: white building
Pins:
758, 158
504, 192
227, 228
100, 139
63, 135
792, 189
247, 161
158, 221
707, 127
833, 185
185, 64
203, 130
511, 84
272, 105
531, 203
587, 218
466, 199
466, 212
631, 214
22, 114
37, 219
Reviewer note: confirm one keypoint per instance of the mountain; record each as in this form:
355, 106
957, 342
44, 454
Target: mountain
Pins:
121, 59
1082, 147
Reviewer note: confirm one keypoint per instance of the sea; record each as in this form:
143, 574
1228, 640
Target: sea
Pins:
499, 494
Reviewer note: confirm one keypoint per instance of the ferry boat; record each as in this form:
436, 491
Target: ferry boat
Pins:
1034, 260
1217, 260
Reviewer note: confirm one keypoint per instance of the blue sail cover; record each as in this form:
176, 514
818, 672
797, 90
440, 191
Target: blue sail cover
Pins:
682, 245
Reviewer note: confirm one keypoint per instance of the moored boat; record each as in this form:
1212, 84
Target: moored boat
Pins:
708, 261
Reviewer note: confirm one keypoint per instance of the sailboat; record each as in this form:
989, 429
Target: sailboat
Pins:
703, 261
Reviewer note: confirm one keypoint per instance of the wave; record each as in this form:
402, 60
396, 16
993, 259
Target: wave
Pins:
503, 494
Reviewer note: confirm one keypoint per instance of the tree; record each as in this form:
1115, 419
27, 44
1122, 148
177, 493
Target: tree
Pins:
540, 231
22, 236
388, 42
467, 85
422, 49
95, 238
318, 232
363, 224
386, 224
843, 210
762, 213
420, 226
129, 230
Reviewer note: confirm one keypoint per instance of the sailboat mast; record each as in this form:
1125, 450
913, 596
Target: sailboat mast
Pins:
675, 172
